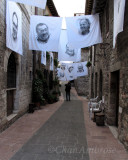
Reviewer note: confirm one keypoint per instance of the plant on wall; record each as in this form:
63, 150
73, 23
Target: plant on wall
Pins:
55, 82
56, 62
88, 64
47, 56
38, 91
38, 88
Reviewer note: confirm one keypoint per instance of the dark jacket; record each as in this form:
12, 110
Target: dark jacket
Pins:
67, 87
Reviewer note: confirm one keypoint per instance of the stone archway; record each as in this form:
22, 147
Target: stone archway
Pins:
16, 89
11, 83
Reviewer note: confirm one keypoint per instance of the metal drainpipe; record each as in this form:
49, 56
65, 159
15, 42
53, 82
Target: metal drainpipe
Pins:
34, 52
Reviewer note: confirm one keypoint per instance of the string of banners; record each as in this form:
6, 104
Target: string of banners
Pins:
70, 71
45, 33
82, 31
37, 3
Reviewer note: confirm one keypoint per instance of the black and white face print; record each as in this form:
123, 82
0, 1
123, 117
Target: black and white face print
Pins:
80, 68
69, 51
63, 66
44, 55
51, 61
119, 6
14, 26
42, 31
61, 75
84, 25
70, 69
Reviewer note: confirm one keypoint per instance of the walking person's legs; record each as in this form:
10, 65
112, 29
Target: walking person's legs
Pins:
66, 96
69, 96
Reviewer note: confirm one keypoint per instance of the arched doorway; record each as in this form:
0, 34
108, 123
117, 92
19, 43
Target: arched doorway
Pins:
11, 83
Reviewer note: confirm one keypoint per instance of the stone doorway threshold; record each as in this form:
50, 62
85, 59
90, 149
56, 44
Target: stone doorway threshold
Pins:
114, 131
10, 117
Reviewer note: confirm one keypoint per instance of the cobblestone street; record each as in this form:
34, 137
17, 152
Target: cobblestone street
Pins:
60, 131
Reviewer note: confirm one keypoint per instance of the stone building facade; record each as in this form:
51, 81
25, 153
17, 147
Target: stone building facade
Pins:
16, 71
109, 71
81, 83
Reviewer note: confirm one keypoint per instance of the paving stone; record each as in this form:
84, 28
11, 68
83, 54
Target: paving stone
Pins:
57, 138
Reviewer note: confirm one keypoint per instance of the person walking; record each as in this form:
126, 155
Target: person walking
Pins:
67, 90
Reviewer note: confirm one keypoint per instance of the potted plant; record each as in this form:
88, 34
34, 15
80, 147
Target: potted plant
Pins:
38, 92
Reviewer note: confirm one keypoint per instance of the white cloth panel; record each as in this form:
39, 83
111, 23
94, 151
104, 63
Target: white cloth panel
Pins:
36, 3
43, 57
14, 27
119, 8
66, 53
81, 69
70, 71
83, 31
44, 33
61, 74
63, 66
51, 61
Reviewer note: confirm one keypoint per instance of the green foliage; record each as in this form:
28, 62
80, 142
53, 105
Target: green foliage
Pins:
55, 82
52, 98
47, 56
38, 91
88, 64
56, 62
39, 74
54, 92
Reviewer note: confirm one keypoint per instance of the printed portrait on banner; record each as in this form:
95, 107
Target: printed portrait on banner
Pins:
80, 68
63, 66
42, 31
14, 27
69, 51
84, 26
66, 52
70, 69
83, 31
43, 57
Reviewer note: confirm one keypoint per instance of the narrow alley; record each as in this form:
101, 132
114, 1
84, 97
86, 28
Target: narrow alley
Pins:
63, 79
60, 131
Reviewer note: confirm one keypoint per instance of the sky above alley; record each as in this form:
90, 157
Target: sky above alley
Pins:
67, 8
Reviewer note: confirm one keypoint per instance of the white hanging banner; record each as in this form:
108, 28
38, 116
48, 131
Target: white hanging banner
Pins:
63, 66
61, 74
51, 61
14, 27
43, 57
70, 72
44, 33
36, 3
83, 31
81, 69
119, 8
66, 53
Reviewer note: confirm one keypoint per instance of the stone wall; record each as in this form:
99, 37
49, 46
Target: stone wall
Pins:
24, 68
82, 83
111, 62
